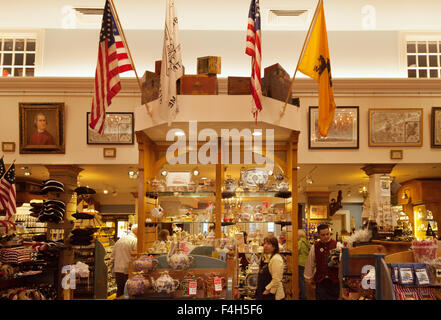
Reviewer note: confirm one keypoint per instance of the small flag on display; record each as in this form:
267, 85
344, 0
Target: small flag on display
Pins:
253, 49
7, 191
112, 60
171, 66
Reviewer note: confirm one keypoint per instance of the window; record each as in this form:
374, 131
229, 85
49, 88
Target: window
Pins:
423, 59
17, 56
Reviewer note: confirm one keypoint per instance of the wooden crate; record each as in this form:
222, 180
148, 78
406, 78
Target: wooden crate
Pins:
150, 87
239, 85
198, 84
209, 65
276, 83
158, 67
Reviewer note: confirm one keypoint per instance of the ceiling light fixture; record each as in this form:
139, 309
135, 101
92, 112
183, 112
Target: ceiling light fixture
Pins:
195, 172
309, 180
105, 191
179, 133
164, 173
133, 173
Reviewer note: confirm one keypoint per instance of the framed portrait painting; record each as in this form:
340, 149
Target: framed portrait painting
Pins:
436, 127
317, 212
118, 129
42, 128
342, 134
396, 127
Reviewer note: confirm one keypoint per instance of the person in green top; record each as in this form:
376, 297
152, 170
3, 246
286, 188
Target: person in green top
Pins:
303, 245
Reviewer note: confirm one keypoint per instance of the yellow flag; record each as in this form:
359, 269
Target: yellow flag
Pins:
315, 63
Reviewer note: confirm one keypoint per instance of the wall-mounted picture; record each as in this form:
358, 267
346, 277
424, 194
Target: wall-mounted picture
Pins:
118, 129
436, 127
109, 152
396, 127
42, 128
8, 146
318, 212
342, 134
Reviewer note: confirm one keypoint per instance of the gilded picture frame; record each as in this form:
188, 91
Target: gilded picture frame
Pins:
118, 129
42, 127
436, 127
343, 132
318, 212
395, 127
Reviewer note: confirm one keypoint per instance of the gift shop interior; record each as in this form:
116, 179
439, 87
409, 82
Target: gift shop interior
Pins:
183, 203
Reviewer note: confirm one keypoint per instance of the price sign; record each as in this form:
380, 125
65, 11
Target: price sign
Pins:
217, 284
192, 287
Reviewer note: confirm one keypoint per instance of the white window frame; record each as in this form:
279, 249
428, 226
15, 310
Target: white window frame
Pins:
406, 37
27, 34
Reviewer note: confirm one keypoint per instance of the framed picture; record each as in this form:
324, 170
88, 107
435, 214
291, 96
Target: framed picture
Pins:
396, 154
118, 129
8, 146
42, 128
436, 127
342, 134
396, 127
109, 152
318, 212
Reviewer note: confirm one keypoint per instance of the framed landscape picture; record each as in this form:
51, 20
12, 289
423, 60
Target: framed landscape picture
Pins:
396, 127
118, 129
436, 127
318, 212
42, 128
342, 134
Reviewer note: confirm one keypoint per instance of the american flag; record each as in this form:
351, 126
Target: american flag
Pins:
253, 49
112, 60
7, 190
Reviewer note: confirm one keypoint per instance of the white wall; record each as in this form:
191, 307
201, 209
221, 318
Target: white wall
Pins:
73, 53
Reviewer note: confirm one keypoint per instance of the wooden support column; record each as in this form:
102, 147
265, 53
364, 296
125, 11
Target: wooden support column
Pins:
219, 182
292, 175
145, 167
68, 175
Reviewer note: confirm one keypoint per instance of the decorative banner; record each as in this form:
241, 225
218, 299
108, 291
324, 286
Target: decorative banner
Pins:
192, 287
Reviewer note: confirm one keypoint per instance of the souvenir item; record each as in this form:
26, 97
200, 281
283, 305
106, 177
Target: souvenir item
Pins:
180, 261
157, 212
258, 216
165, 283
214, 285
191, 186
145, 264
190, 285
254, 177
230, 185
137, 285
406, 276
155, 184
424, 250
422, 276
283, 186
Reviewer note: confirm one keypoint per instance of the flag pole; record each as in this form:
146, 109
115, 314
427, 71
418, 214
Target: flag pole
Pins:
8, 169
123, 37
282, 112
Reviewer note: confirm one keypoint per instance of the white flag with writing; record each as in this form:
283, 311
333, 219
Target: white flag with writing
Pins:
171, 66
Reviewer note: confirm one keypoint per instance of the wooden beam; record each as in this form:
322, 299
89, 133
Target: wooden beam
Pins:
219, 182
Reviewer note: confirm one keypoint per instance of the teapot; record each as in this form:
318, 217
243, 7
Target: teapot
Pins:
179, 260
145, 264
283, 186
157, 212
137, 285
165, 283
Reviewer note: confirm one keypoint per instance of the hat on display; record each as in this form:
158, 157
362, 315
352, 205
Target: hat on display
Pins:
36, 205
47, 189
58, 203
52, 182
84, 190
83, 215
83, 233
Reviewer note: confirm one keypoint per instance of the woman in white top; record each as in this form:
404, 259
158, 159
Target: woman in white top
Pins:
269, 280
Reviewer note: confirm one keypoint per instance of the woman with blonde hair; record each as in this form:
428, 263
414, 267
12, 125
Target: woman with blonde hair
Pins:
303, 245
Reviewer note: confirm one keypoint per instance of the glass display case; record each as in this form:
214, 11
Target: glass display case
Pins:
425, 225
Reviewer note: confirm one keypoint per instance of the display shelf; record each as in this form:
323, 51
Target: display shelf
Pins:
256, 194
178, 194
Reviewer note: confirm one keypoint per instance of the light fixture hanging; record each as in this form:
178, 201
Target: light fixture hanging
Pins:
133, 173
195, 172
163, 173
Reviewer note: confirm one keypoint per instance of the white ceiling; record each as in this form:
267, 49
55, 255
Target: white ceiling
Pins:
226, 14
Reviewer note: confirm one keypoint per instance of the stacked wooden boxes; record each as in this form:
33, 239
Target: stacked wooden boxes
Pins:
239, 85
276, 83
205, 82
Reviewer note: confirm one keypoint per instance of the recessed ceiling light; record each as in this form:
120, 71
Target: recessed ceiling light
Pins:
195, 172
164, 173
257, 133
105, 191
203, 178
179, 133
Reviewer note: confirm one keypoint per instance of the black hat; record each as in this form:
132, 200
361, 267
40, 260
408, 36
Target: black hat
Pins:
59, 203
83, 233
37, 204
84, 190
83, 215
47, 189
54, 207
52, 182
